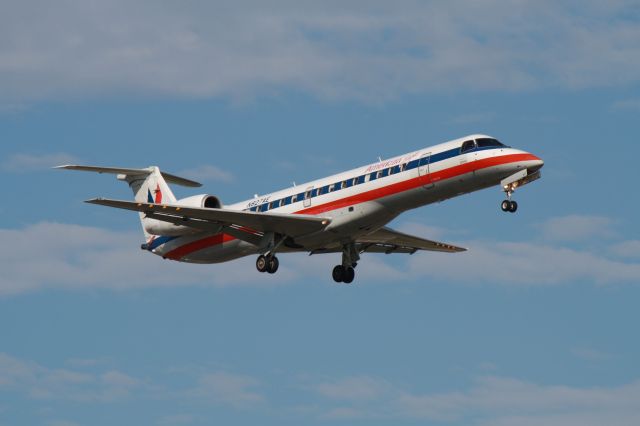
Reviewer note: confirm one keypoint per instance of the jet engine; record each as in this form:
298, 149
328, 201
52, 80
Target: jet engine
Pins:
159, 227
205, 201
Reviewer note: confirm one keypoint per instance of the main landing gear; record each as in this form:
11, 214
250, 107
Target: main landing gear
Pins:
345, 273
267, 263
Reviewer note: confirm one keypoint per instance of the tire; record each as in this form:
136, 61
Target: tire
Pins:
338, 273
261, 263
506, 206
513, 207
272, 265
349, 275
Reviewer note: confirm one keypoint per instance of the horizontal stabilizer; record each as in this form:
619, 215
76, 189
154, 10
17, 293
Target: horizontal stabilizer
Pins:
132, 172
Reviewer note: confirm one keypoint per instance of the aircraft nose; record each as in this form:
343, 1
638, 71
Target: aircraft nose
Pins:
536, 164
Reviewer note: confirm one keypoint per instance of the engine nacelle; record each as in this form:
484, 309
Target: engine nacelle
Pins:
205, 201
158, 227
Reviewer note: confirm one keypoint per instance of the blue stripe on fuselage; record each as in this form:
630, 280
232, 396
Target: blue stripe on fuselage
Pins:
157, 242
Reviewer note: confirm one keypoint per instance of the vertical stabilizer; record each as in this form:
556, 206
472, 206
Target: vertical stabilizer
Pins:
151, 188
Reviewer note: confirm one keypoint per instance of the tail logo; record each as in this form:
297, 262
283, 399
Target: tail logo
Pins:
158, 195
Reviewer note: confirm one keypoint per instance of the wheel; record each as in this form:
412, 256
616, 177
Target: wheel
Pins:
338, 273
261, 263
513, 207
272, 264
505, 206
349, 275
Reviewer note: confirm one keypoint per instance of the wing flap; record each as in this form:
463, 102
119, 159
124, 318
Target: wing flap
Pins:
286, 224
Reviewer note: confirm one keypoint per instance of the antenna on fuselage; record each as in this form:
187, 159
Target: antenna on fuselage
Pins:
379, 159
294, 183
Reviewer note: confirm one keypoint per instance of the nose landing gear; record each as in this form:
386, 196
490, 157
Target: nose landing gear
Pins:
509, 206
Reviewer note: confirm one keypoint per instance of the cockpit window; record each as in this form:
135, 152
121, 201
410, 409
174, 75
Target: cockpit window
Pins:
488, 142
467, 146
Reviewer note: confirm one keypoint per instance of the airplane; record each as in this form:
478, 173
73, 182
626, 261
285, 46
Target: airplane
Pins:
345, 213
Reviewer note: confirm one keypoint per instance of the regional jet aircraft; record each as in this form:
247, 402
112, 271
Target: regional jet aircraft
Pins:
344, 213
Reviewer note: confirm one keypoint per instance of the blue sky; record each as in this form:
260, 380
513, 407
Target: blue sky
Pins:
535, 325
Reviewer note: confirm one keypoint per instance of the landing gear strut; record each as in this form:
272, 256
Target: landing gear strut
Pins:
345, 272
508, 205
268, 262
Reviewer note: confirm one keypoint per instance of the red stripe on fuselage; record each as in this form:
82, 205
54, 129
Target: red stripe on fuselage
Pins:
374, 194
194, 246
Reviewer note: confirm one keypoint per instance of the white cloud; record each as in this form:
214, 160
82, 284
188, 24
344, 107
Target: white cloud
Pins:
627, 249
81, 257
23, 163
523, 264
207, 173
42, 383
490, 400
369, 51
577, 228
352, 388
502, 400
228, 389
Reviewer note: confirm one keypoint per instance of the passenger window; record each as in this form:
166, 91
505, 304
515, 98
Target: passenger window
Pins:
373, 176
467, 146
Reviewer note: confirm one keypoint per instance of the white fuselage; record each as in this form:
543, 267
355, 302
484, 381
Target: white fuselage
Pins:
361, 200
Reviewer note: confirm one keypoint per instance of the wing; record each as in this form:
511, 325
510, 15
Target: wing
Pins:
205, 218
389, 241
386, 240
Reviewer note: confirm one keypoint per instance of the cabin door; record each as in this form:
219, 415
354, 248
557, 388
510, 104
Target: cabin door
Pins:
424, 172
307, 197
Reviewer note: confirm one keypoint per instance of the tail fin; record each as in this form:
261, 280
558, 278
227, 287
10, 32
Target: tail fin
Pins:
148, 185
